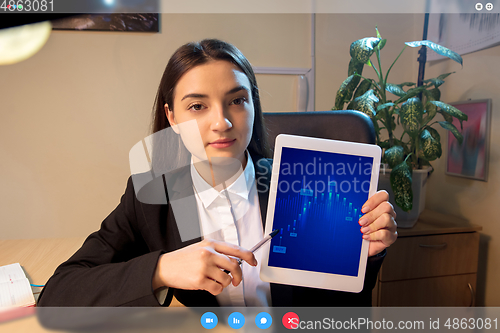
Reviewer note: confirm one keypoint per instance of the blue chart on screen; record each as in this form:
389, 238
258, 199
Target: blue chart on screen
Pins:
209, 320
236, 320
263, 320
318, 205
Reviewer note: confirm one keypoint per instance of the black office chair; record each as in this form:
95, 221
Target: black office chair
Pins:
347, 125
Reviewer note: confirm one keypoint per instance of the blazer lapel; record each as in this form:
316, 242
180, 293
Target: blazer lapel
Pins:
182, 202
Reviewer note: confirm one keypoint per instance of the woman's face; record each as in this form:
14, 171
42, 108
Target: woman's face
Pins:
218, 96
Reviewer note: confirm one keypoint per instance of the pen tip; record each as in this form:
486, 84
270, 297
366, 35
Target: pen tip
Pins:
275, 231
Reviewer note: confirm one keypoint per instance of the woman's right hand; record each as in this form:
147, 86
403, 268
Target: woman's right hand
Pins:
200, 267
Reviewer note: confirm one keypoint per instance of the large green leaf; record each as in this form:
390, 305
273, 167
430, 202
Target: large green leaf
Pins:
411, 93
384, 106
345, 91
381, 45
430, 148
406, 84
401, 186
450, 110
362, 49
431, 111
450, 127
444, 76
411, 115
441, 50
432, 95
434, 133
395, 89
362, 88
394, 156
446, 116
436, 82
366, 103
435, 94
355, 67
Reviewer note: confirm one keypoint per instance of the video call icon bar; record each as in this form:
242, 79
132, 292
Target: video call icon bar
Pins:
236, 320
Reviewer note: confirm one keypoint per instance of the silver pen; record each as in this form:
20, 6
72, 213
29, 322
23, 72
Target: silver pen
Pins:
258, 245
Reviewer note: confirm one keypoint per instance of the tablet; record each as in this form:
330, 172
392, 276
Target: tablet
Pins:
318, 188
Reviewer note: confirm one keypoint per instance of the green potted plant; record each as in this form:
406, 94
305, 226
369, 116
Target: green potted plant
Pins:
416, 109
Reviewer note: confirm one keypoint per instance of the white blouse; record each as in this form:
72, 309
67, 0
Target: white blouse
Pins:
242, 226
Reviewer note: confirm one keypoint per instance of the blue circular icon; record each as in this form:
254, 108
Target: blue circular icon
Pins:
236, 320
263, 320
209, 320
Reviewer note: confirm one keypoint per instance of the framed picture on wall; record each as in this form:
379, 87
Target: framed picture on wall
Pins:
109, 22
471, 158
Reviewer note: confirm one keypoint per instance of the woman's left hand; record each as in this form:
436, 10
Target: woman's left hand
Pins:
378, 225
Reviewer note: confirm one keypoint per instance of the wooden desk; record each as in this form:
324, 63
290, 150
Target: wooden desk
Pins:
38, 257
432, 264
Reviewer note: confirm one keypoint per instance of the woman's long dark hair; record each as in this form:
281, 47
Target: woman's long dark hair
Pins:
184, 59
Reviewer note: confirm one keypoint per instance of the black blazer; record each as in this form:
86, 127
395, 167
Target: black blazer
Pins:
115, 265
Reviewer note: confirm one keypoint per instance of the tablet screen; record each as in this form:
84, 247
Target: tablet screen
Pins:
318, 205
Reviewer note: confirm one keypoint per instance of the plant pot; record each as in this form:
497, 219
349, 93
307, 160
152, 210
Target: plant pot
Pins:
419, 182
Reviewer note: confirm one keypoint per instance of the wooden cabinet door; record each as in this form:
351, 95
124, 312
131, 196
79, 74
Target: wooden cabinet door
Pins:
456, 290
429, 256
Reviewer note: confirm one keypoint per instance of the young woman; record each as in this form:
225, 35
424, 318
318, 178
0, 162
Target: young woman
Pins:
139, 256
